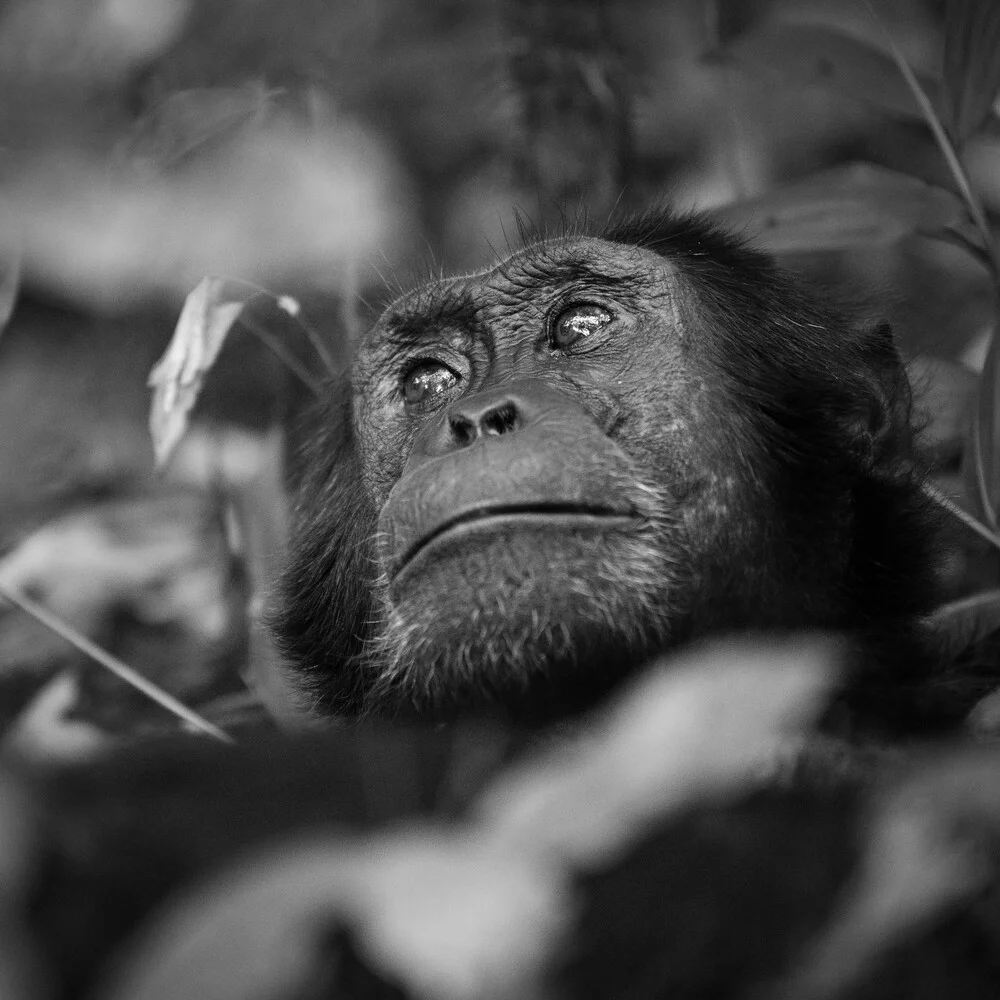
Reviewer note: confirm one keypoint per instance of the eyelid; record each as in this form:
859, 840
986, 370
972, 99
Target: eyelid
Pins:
410, 365
580, 299
438, 350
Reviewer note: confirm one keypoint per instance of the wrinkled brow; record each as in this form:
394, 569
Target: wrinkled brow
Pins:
423, 314
458, 303
540, 267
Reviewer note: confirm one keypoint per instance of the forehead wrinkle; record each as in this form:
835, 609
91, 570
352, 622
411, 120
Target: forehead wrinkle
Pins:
425, 312
537, 268
588, 261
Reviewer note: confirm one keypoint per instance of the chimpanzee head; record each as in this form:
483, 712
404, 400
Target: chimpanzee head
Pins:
537, 476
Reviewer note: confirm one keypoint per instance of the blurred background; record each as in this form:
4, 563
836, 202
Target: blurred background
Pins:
332, 153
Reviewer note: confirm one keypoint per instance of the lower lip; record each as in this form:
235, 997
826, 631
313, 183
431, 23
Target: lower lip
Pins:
489, 523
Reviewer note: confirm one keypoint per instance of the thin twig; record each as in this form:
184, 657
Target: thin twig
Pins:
966, 518
273, 344
315, 340
112, 663
317, 343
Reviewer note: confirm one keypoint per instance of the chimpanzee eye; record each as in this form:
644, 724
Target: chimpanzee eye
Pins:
576, 324
427, 381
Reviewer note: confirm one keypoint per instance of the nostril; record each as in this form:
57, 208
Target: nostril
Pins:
463, 430
472, 422
500, 420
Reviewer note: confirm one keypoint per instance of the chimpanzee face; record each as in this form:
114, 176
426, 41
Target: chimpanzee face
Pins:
496, 414
539, 475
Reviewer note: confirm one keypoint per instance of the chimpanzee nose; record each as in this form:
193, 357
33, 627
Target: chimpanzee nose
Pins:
519, 406
481, 417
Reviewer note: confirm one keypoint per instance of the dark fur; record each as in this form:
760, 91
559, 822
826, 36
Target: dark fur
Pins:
792, 501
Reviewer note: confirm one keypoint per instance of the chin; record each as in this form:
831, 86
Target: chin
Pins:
534, 609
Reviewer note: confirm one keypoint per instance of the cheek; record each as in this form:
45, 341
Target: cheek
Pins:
385, 444
663, 429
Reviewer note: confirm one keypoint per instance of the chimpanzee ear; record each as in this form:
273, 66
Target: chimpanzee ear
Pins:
885, 416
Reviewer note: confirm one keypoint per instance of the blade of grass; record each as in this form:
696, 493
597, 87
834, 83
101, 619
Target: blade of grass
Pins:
967, 519
112, 663
282, 301
281, 353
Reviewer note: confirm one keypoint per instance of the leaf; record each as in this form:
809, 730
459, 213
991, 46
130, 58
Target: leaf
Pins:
851, 206
983, 720
820, 56
177, 378
965, 623
291, 203
46, 731
699, 728
442, 912
157, 559
971, 63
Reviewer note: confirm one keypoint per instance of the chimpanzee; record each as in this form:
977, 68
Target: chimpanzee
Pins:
537, 476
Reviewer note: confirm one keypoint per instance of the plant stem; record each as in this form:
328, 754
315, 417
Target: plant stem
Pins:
112, 663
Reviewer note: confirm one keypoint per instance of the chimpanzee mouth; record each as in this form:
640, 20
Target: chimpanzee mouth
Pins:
570, 515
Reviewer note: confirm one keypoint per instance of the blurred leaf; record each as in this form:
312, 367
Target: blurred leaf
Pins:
971, 63
445, 913
283, 204
698, 728
187, 119
850, 206
968, 628
983, 722
943, 391
45, 731
155, 555
86, 43
819, 56
208, 315
965, 623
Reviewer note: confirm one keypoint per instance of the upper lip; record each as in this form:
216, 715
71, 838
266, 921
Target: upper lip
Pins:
555, 509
